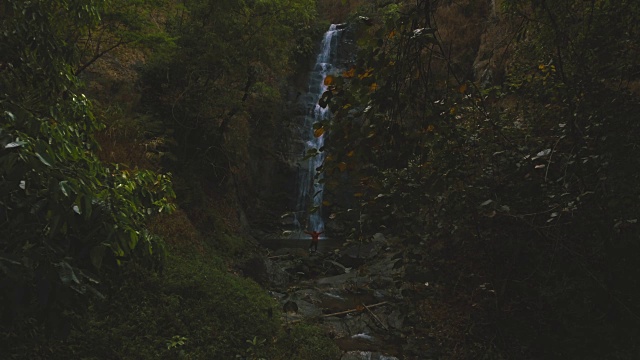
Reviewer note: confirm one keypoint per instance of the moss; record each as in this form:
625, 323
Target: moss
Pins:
231, 245
306, 342
145, 315
194, 311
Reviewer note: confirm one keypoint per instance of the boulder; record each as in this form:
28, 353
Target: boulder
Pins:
265, 272
294, 252
357, 254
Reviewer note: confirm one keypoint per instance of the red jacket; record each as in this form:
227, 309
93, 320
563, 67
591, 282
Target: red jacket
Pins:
315, 236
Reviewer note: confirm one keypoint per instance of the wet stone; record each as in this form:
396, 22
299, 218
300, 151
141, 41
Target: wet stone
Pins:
395, 319
331, 292
338, 280
366, 355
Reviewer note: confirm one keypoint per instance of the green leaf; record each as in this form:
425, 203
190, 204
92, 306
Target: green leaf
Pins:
87, 206
67, 274
54, 225
15, 144
44, 158
133, 239
10, 115
97, 254
64, 187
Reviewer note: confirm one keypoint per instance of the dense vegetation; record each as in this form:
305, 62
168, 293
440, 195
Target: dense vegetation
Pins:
496, 138
94, 260
65, 213
501, 143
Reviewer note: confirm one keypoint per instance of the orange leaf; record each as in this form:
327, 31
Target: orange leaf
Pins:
367, 73
326, 203
349, 74
318, 132
373, 87
463, 88
358, 194
342, 166
328, 80
360, 308
350, 153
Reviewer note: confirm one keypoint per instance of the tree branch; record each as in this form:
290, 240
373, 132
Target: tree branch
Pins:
99, 55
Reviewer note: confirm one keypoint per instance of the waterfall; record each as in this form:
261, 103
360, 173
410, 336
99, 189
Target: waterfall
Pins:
310, 188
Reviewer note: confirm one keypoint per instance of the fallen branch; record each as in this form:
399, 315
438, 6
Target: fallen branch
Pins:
353, 310
375, 317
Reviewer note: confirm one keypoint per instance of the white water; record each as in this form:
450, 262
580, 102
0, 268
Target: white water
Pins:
310, 190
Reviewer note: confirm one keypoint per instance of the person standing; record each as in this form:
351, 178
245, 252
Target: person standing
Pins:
315, 238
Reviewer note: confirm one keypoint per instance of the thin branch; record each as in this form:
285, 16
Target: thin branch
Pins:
99, 55
375, 316
354, 310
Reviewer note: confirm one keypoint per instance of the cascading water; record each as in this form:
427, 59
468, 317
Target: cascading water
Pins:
308, 214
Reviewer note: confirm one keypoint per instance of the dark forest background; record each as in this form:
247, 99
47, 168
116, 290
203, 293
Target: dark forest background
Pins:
142, 141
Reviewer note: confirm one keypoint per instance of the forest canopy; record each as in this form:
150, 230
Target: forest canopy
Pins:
497, 140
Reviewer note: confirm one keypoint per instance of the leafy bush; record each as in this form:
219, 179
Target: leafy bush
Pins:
148, 316
64, 214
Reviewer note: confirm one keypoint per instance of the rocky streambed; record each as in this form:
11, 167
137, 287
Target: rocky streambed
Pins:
358, 294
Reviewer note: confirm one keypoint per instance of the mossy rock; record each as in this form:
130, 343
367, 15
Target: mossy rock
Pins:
306, 342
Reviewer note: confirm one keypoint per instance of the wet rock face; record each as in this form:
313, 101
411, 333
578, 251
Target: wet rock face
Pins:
361, 295
354, 294
293, 252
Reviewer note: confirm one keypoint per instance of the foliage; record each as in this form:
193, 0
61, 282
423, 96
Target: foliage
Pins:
195, 310
524, 189
338, 11
219, 91
65, 215
68, 219
111, 55
132, 23
305, 342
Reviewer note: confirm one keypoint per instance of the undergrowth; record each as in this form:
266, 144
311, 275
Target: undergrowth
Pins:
191, 309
